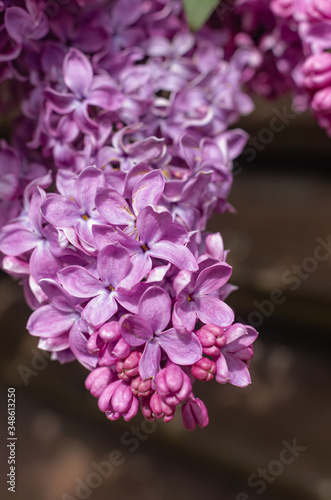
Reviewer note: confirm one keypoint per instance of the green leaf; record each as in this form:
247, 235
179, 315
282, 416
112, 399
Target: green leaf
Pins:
198, 11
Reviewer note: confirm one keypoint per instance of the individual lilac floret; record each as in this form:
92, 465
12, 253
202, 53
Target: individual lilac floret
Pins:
147, 328
173, 385
141, 388
117, 400
232, 362
194, 413
113, 264
196, 297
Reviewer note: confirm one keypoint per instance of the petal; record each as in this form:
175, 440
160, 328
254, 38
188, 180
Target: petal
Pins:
79, 282
50, 322
211, 310
183, 280
77, 72
184, 316
175, 253
43, 264
238, 371
149, 363
86, 185
78, 345
182, 349
56, 294
152, 225
155, 308
141, 265
61, 103
17, 239
113, 264
135, 330
212, 278
147, 191
60, 211
100, 309
222, 372
107, 98
113, 207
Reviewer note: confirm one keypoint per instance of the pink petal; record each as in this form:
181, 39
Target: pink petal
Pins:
155, 308
184, 316
177, 254
211, 310
100, 309
238, 371
16, 239
79, 282
113, 264
78, 345
182, 349
86, 185
60, 211
77, 72
113, 207
50, 322
212, 278
61, 103
149, 363
147, 191
135, 330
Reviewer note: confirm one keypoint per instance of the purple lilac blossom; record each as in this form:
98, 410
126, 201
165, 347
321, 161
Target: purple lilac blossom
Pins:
121, 152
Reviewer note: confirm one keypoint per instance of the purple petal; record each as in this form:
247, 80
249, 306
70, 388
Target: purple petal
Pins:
182, 349
184, 316
152, 225
43, 264
212, 278
155, 308
61, 103
183, 280
147, 191
79, 282
107, 98
222, 372
177, 254
141, 265
78, 343
113, 207
88, 181
16, 239
211, 310
57, 295
113, 264
149, 363
238, 371
135, 330
50, 322
77, 72
100, 309
60, 211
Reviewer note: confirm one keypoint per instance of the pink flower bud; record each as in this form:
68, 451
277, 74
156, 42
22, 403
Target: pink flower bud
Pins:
317, 71
121, 349
204, 369
98, 380
109, 332
141, 388
160, 409
212, 339
129, 367
194, 413
117, 400
173, 385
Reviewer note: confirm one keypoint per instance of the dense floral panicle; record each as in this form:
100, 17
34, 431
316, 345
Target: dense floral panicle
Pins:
121, 153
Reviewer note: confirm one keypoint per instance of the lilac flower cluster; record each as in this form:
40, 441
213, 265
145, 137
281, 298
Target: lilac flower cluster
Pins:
284, 45
120, 154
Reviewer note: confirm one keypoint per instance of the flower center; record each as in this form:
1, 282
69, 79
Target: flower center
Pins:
144, 247
85, 217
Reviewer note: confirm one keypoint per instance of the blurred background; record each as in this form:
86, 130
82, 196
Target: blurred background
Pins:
281, 191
